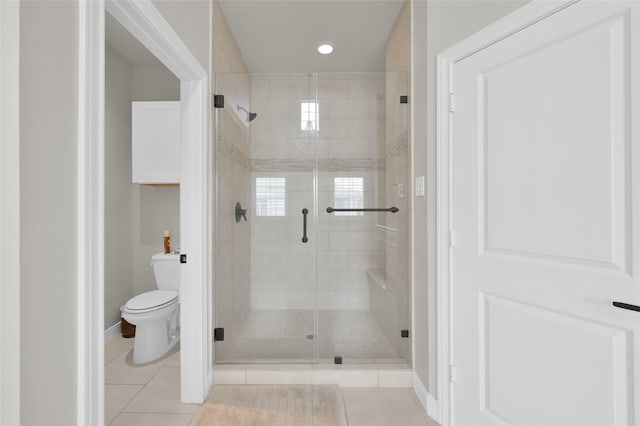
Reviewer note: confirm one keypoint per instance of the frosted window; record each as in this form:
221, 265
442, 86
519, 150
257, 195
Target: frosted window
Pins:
348, 194
309, 121
270, 196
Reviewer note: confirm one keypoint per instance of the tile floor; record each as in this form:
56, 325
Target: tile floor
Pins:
149, 395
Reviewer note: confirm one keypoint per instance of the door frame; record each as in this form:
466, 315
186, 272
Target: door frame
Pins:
445, 101
9, 213
147, 24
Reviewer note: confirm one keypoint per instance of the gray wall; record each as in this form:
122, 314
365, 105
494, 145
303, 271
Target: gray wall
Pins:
48, 168
136, 215
118, 279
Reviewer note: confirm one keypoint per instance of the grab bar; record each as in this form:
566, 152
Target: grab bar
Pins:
390, 209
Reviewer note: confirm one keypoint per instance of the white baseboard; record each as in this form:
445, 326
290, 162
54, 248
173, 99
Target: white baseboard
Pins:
112, 332
433, 408
420, 390
428, 401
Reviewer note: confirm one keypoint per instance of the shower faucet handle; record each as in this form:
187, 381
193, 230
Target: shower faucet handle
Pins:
240, 212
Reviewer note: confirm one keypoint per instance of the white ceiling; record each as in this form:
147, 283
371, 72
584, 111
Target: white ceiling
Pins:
124, 43
282, 36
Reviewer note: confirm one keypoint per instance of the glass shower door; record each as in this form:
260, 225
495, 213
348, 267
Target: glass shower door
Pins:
265, 295
364, 309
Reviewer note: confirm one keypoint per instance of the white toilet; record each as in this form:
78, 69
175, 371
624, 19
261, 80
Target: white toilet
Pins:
156, 313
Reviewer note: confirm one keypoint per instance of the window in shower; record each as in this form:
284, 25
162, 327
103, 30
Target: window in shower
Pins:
309, 122
348, 194
270, 196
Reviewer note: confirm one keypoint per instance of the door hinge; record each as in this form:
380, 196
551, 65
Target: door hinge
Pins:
404, 99
218, 101
183, 258
452, 102
218, 334
452, 238
452, 373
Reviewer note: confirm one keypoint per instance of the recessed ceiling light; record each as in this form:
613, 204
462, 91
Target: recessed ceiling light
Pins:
325, 47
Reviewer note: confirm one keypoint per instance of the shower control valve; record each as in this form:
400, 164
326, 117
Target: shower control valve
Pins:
240, 212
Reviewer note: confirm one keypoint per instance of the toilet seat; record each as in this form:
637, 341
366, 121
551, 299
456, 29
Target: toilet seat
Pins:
151, 301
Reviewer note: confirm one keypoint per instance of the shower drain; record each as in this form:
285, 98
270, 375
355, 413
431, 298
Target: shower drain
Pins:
309, 336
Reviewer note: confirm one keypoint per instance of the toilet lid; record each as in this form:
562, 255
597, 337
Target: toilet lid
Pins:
151, 299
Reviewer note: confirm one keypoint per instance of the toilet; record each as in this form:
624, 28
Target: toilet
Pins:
156, 313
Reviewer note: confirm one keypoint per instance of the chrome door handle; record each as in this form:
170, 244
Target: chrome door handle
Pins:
627, 306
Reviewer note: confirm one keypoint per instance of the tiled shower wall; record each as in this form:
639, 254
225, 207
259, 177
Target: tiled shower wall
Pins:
231, 297
351, 133
233, 277
391, 305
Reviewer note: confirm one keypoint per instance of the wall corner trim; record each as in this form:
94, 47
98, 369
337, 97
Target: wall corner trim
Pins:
90, 210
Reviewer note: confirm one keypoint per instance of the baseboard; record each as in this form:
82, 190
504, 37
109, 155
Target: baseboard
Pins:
429, 403
433, 408
420, 390
112, 332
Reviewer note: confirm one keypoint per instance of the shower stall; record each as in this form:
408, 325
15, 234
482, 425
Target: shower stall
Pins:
312, 246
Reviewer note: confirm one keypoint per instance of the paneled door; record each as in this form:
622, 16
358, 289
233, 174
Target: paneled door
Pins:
546, 215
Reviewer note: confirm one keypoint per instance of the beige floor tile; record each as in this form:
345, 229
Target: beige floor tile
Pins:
152, 419
161, 395
116, 347
383, 407
173, 360
193, 419
116, 397
122, 371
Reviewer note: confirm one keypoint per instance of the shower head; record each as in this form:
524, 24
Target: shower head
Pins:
250, 115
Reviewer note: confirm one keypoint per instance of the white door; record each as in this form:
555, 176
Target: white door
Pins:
546, 212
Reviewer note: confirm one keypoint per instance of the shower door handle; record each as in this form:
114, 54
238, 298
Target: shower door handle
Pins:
304, 225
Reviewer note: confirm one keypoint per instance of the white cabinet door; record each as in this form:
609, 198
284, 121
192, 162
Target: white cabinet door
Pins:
545, 207
155, 142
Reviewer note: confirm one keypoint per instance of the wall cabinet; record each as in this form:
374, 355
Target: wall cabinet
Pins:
155, 142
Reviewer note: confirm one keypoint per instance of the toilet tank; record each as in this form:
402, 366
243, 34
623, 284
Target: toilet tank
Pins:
166, 269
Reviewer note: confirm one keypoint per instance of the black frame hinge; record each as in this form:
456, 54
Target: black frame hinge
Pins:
218, 101
337, 359
183, 258
404, 99
218, 334
404, 333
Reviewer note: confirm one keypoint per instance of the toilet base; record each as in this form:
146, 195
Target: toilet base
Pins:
145, 350
154, 338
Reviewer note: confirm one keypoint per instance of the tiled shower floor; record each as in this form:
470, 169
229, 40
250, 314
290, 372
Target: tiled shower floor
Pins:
288, 336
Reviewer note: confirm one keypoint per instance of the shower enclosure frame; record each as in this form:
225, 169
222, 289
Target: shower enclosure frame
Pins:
228, 89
